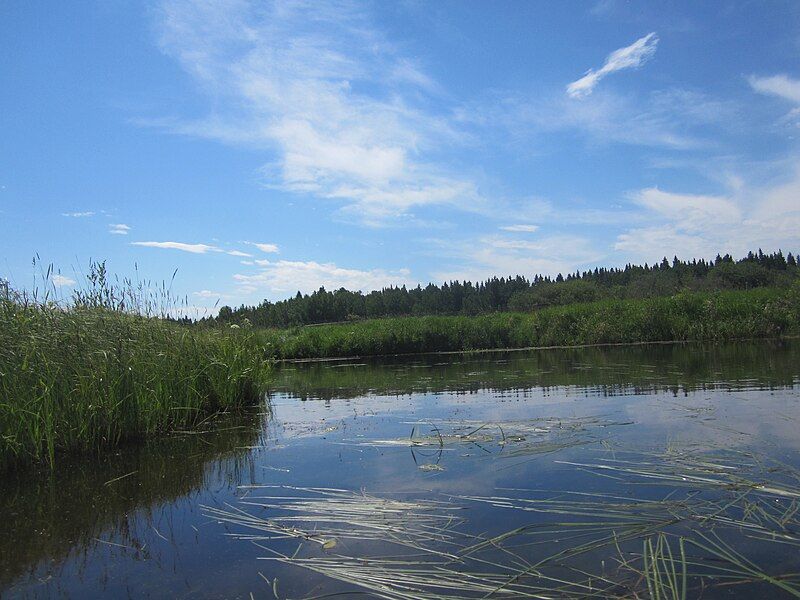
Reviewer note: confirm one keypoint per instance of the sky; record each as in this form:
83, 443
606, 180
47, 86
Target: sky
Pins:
261, 148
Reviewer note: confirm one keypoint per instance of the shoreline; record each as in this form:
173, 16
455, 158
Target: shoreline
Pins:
765, 313
530, 348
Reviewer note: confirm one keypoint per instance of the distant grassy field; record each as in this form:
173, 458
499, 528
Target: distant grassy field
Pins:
85, 379
756, 313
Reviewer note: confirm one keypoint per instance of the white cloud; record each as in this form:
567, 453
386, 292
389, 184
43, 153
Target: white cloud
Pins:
492, 256
268, 248
78, 215
674, 118
345, 114
690, 211
62, 281
629, 57
520, 228
781, 86
193, 248
284, 277
615, 118
207, 294
118, 229
689, 225
650, 244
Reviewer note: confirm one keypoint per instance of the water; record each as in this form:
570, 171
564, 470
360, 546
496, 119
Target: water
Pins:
675, 433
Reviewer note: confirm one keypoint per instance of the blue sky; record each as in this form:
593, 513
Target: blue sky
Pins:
261, 148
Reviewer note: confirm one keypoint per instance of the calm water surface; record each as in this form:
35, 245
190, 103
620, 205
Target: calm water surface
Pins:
539, 472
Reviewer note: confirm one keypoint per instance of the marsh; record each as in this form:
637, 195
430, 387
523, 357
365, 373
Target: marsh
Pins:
658, 471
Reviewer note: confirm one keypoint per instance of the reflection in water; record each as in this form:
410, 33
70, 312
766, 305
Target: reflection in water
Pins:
51, 516
608, 370
672, 438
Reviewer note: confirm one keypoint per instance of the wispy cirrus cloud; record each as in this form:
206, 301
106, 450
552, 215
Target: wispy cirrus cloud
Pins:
673, 119
264, 247
629, 57
521, 228
78, 215
780, 86
344, 114
277, 278
192, 248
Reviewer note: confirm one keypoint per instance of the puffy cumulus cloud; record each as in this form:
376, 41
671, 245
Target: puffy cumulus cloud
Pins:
629, 57
345, 115
279, 278
691, 225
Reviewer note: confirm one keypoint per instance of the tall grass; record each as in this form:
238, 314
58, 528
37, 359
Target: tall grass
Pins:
687, 316
89, 374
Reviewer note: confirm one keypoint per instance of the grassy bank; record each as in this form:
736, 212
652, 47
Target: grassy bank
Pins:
87, 378
687, 316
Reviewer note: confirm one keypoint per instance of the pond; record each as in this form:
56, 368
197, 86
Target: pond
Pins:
652, 471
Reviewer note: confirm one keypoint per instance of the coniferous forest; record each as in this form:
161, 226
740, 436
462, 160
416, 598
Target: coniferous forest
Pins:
521, 293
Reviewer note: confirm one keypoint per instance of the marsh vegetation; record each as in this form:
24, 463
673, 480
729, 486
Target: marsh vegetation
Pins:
716, 316
668, 471
107, 366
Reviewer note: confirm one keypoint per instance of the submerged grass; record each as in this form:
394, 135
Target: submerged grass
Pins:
755, 313
329, 517
88, 375
739, 508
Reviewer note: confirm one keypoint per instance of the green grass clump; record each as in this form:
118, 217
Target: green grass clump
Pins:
82, 378
714, 316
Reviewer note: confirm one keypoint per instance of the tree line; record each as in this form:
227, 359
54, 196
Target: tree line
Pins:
519, 293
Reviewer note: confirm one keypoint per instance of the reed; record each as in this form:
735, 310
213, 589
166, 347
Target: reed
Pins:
757, 313
89, 374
